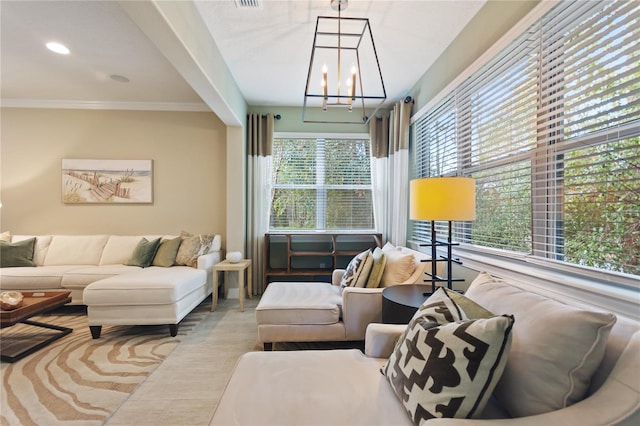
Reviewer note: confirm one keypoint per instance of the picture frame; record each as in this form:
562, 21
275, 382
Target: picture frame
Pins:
97, 181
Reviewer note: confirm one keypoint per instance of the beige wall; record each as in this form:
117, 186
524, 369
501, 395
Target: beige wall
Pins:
188, 150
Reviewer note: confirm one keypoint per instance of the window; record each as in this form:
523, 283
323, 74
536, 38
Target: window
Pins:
321, 184
550, 131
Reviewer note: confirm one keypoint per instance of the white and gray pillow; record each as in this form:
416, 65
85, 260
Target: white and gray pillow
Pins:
357, 270
445, 364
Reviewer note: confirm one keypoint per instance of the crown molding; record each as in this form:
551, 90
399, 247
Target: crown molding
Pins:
100, 105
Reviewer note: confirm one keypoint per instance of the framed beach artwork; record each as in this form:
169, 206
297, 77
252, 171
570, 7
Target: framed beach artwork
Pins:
107, 181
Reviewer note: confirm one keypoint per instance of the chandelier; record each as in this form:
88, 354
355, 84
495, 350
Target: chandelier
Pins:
344, 83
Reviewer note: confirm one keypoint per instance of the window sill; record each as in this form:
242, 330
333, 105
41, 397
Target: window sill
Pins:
617, 293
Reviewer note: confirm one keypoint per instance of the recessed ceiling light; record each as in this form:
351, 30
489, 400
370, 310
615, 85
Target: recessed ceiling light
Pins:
119, 78
58, 48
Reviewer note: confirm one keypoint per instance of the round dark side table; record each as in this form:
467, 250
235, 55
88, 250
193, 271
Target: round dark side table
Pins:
400, 302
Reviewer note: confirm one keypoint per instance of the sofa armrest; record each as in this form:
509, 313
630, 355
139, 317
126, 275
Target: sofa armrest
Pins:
607, 409
206, 262
360, 307
617, 401
336, 276
380, 339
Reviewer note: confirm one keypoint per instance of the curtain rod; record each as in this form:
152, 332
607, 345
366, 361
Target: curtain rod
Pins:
276, 116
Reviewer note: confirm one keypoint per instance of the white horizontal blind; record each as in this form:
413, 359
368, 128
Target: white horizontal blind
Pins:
437, 155
321, 184
550, 131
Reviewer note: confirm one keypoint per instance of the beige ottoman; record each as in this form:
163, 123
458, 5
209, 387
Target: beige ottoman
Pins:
150, 296
300, 312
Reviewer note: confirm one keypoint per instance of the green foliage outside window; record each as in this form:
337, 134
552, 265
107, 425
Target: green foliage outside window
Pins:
321, 184
602, 206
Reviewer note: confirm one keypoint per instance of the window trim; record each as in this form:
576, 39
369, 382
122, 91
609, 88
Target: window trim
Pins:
317, 135
614, 292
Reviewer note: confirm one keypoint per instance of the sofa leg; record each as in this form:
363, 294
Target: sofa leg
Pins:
173, 329
268, 347
95, 331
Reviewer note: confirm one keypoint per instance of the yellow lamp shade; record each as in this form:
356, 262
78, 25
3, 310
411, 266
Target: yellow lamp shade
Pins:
442, 198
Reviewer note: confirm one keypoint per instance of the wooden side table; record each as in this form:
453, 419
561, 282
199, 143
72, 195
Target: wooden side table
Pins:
241, 267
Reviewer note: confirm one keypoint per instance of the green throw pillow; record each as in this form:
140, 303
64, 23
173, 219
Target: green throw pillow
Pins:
379, 260
471, 308
167, 251
144, 253
17, 254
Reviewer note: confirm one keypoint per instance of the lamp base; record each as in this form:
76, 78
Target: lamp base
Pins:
434, 244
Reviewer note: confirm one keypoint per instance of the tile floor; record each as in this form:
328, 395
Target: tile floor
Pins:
186, 387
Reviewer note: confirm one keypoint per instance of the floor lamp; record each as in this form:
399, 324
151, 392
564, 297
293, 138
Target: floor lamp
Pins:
442, 198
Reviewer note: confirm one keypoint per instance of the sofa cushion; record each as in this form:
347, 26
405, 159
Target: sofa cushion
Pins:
357, 271
377, 268
80, 277
192, 247
167, 252
34, 278
144, 253
17, 254
119, 249
556, 347
337, 387
299, 304
149, 286
5, 236
75, 250
449, 370
399, 266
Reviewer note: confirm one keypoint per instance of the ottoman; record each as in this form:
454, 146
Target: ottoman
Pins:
300, 312
150, 296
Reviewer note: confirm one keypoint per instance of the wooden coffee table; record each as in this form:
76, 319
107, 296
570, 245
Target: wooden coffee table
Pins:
18, 345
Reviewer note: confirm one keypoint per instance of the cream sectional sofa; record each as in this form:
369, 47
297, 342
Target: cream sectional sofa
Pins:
93, 268
568, 365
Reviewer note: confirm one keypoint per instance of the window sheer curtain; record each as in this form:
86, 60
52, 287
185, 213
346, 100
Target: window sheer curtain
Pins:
390, 172
260, 145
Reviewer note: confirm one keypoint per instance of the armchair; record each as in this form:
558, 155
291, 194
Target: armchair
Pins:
315, 311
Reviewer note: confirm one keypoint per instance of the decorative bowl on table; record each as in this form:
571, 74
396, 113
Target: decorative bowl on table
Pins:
10, 300
234, 256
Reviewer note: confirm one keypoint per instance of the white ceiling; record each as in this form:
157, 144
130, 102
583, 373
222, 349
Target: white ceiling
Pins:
267, 49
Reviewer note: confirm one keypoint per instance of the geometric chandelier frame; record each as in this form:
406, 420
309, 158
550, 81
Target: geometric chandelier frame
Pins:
344, 81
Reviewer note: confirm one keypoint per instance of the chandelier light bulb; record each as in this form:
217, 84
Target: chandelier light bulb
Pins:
324, 85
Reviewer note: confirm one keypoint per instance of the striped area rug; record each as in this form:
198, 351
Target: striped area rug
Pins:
80, 381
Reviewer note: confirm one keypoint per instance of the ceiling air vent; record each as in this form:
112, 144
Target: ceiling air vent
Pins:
248, 4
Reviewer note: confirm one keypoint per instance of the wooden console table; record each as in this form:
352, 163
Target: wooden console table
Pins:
319, 253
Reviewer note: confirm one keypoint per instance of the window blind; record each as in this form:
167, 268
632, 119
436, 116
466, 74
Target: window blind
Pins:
321, 184
550, 131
